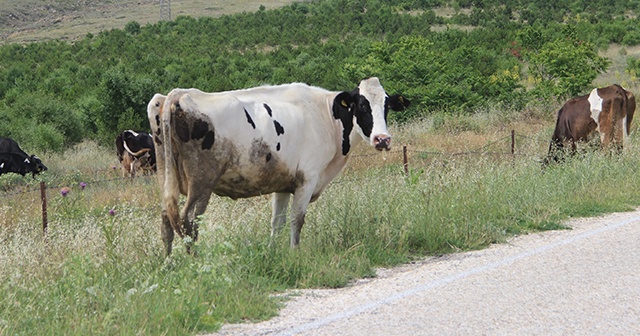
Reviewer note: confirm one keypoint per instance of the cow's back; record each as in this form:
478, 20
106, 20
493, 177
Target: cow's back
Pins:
9, 146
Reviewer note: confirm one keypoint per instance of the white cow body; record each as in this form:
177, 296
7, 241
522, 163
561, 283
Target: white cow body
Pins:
287, 139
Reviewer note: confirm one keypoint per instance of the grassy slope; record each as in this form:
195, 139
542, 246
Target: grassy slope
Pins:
37, 20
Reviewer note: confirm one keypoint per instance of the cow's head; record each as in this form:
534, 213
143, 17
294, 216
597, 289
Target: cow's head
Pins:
34, 166
367, 106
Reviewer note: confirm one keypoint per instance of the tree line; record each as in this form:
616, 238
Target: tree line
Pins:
54, 93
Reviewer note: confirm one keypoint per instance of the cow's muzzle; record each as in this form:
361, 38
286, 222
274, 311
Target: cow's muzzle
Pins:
382, 142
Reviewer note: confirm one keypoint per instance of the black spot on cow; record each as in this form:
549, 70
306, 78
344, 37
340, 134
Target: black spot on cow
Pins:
268, 109
249, 120
209, 138
279, 128
364, 118
342, 109
157, 140
200, 128
278, 147
157, 120
268, 157
181, 126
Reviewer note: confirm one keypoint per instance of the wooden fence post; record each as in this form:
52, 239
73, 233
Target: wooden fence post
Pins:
43, 197
405, 162
513, 142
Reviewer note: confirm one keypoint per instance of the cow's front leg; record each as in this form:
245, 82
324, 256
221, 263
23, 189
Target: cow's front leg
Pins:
301, 199
279, 205
132, 169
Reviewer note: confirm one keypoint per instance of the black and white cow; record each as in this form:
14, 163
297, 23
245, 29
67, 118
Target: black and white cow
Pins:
15, 160
135, 151
286, 139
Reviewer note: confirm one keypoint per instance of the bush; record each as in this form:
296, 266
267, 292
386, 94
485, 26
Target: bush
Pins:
631, 38
43, 121
564, 67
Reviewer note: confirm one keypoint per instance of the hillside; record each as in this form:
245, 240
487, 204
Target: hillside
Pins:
37, 20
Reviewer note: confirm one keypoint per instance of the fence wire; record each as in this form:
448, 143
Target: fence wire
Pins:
483, 150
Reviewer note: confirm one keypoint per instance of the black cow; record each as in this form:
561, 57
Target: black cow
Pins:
15, 160
135, 151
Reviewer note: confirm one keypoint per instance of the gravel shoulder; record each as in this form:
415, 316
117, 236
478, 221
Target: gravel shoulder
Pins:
578, 281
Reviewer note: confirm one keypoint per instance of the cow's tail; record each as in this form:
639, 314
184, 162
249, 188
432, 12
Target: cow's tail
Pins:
631, 109
555, 145
171, 190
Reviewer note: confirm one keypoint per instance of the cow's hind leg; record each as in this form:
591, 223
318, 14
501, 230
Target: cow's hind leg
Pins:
195, 206
167, 233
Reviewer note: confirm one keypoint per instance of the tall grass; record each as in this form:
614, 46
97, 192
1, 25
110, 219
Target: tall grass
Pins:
100, 269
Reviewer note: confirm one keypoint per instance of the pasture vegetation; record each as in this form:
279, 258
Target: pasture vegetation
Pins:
103, 272
100, 269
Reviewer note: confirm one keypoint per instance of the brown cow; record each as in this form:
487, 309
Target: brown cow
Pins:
608, 111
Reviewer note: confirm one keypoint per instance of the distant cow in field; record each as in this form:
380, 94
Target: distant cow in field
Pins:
15, 160
135, 152
607, 111
286, 139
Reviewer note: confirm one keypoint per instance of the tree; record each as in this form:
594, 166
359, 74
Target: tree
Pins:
564, 67
124, 97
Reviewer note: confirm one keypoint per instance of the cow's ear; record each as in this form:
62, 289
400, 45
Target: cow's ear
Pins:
343, 110
342, 104
398, 102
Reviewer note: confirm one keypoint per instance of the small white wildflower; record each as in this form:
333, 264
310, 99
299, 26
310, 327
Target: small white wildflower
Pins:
177, 291
91, 290
131, 292
150, 289
187, 240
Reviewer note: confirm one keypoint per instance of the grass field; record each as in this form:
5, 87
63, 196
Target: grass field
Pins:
100, 269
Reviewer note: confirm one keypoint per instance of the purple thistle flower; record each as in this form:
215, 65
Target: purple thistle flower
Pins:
112, 212
64, 191
83, 185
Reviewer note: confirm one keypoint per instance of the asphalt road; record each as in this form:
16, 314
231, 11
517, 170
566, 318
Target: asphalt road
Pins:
584, 281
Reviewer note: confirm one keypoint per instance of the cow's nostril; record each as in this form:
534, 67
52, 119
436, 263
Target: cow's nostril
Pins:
382, 142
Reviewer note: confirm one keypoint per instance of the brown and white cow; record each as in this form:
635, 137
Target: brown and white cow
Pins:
286, 139
135, 152
607, 111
